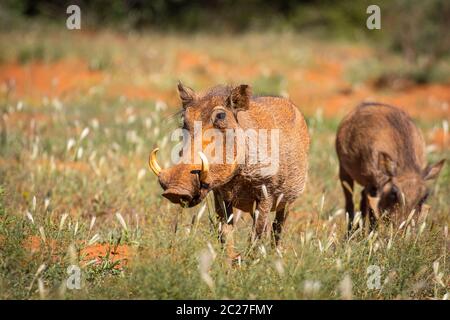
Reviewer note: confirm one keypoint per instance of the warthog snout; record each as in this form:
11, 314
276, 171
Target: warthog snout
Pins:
181, 183
177, 196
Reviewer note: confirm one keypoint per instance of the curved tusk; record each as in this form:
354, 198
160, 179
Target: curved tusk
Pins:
153, 163
373, 203
205, 167
235, 165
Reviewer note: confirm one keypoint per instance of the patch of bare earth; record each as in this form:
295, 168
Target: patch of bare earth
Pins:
39, 79
118, 254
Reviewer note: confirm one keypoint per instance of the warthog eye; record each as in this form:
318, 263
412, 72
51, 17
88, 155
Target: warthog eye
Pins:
218, 116
221, 115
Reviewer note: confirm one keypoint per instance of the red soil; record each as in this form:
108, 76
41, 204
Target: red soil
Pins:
97, 252
136, 92
440, 139
187, 61
323, 85
34, 243
320, 84
55, 79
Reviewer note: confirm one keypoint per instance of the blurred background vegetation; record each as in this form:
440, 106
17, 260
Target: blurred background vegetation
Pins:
81, 109
417, 30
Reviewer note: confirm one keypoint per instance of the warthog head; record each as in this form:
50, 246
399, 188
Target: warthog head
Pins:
188, 182
401, 193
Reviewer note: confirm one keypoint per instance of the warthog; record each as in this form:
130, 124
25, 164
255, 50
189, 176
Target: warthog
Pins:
249, 180
380, 148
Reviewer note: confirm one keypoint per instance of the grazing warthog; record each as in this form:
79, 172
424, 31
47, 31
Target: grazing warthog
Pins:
380, 147
249, 180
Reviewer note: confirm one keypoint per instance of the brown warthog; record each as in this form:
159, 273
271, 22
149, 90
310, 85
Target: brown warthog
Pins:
249, 180
380, 147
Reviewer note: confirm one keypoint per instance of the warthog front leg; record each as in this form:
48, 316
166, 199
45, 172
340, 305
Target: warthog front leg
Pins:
347, 186
366, 211
277, 226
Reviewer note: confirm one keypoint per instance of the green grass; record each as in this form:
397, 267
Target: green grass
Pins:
165, 264
111, 175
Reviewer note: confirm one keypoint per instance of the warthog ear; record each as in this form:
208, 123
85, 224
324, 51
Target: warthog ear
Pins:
432, 171
386, 164
239, 98
187, 95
